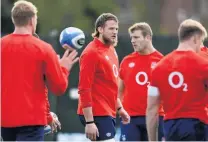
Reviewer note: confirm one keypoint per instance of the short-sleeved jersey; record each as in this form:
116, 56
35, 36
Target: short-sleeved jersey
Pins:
204, 53
135, 71
181, 78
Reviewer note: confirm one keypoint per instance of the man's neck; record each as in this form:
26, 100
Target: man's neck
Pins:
185, 46
22, 30
150, 49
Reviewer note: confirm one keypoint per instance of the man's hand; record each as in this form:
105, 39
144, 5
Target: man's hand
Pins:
65, 46
55, 123
91, 131
124, 116
69, 59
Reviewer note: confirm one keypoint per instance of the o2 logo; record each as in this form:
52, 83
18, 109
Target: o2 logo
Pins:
145, 81
180, 83
115, 70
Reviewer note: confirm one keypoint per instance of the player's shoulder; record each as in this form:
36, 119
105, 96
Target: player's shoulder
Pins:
196, 58
158, 54
179, 56
40, 43
199, 62
90, 50
202, 59
6, 38
164, 62
30, 40
204, 52
165, 58
129, 56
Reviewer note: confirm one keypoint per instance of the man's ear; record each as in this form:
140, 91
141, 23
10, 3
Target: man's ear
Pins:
196, 39
100, 30
148, 37
30, 22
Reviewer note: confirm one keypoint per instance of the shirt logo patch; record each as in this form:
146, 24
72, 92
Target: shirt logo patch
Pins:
107, 58
153, 65
116, 54
115, 70
131, 65
123, 137
108, 134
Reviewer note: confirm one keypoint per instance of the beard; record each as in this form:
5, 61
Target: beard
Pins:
108, 41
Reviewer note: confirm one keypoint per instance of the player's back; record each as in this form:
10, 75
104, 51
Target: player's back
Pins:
181, 82
22, 80
204, 53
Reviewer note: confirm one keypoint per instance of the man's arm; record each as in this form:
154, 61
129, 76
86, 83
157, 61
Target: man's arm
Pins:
88, 64
57, 71
88, 114
121, 88
52, 118
121, 111
152, 112
49, 116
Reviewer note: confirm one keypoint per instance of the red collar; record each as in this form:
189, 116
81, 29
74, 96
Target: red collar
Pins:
100, 44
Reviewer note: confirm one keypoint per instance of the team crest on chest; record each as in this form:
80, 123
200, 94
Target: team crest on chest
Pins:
153, 64
116, 54
106, 57
131, 65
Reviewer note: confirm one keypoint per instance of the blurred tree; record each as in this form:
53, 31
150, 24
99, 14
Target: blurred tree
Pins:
59, 14
147, 11
6, 22
54, 15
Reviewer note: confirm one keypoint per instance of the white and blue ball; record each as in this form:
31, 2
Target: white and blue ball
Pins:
73, 37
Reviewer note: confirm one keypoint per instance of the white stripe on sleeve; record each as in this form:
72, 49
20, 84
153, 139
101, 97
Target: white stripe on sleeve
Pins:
153, 91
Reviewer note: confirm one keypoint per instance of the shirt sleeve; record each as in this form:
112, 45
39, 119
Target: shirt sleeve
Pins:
88, 64
121, 70
153, 89
56, 76
49, 117
206, 75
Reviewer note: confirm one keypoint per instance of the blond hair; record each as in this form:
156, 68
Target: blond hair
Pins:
190, 27
22, 12
101, 20
144, 27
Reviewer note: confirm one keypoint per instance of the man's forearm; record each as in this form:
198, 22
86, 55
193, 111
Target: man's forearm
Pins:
119, 104
120, 89
152, 124
88, 114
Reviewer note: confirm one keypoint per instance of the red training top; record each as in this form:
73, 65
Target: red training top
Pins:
135, 71
181, 78
25, 62
204, 53
98, 79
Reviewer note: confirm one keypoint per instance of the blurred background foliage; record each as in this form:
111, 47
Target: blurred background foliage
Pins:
164, 16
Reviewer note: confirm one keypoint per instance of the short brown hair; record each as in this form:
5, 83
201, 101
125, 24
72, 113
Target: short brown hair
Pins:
190, 27
101, 20
144, 27
22, 12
